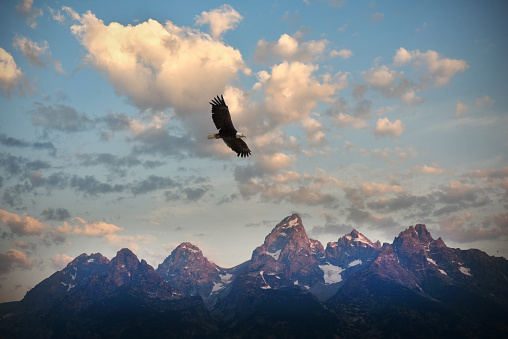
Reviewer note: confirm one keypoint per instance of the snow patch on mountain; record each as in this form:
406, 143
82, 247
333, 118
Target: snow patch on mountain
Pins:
465, 270
331, 273
263, 277
431, 261
355, 262
73, 276
442, 272
69, 286
217, 287
275, 254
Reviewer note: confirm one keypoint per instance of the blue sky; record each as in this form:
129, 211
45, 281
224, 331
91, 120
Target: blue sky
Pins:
359, 114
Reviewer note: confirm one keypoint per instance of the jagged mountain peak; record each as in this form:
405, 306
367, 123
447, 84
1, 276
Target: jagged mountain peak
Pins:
87, 259
288, 253
188, 251
355, 238
187, 246
292, 223
287, 234
125, 259
185, 254
418, 232
189, 270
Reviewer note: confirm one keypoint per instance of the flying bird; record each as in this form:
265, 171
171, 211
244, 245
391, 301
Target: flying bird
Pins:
227, 132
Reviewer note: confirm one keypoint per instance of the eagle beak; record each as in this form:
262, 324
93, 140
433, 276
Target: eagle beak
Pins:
243, 136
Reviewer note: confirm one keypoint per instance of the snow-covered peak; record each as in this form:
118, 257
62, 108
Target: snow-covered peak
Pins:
354, 238
187, 247
291, 222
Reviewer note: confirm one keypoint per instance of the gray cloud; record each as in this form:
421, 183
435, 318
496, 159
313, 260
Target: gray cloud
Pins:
13, 142
159, 141
116, 121
112, 162
153, 183
88, 185
194, 194
60, 118
59, 214
331, 228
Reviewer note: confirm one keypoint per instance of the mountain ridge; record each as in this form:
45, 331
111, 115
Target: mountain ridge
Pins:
353, 287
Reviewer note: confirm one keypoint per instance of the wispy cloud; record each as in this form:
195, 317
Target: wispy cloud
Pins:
221, 19
26, 10
37, 55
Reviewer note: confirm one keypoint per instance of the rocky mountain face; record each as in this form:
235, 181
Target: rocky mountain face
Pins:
291, 287
96, 297
189, 271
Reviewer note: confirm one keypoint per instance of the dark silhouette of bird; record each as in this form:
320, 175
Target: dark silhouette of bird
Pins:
227, 132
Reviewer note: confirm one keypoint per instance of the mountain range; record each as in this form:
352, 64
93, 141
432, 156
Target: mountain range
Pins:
292, 287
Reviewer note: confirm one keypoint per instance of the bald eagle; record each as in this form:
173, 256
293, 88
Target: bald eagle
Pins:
227, 132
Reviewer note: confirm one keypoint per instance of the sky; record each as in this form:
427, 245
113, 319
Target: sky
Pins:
364, 115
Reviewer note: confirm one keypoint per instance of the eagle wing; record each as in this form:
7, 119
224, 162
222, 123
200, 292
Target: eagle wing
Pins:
221, 117
238, 145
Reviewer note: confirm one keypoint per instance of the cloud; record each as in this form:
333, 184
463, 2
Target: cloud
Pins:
221, 19
56, 14
11, 78
385, 127
430, 66
392, 84
187, 194
90, 186
484, 102
344, 120
314, 132
29, 13
402, 202
89, 228
343, 53
153, 183
36, 55
12, 259
440, 69
60, 118
127, 241
14, 142
457, 196
381, 77
377, 17
24, 225
158, 66
287, 186
59, 261
426, 170
460, 108
331, 226
115, 164
372, 188
461, 228
293, 48
59, 214
292, 92
361, 217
